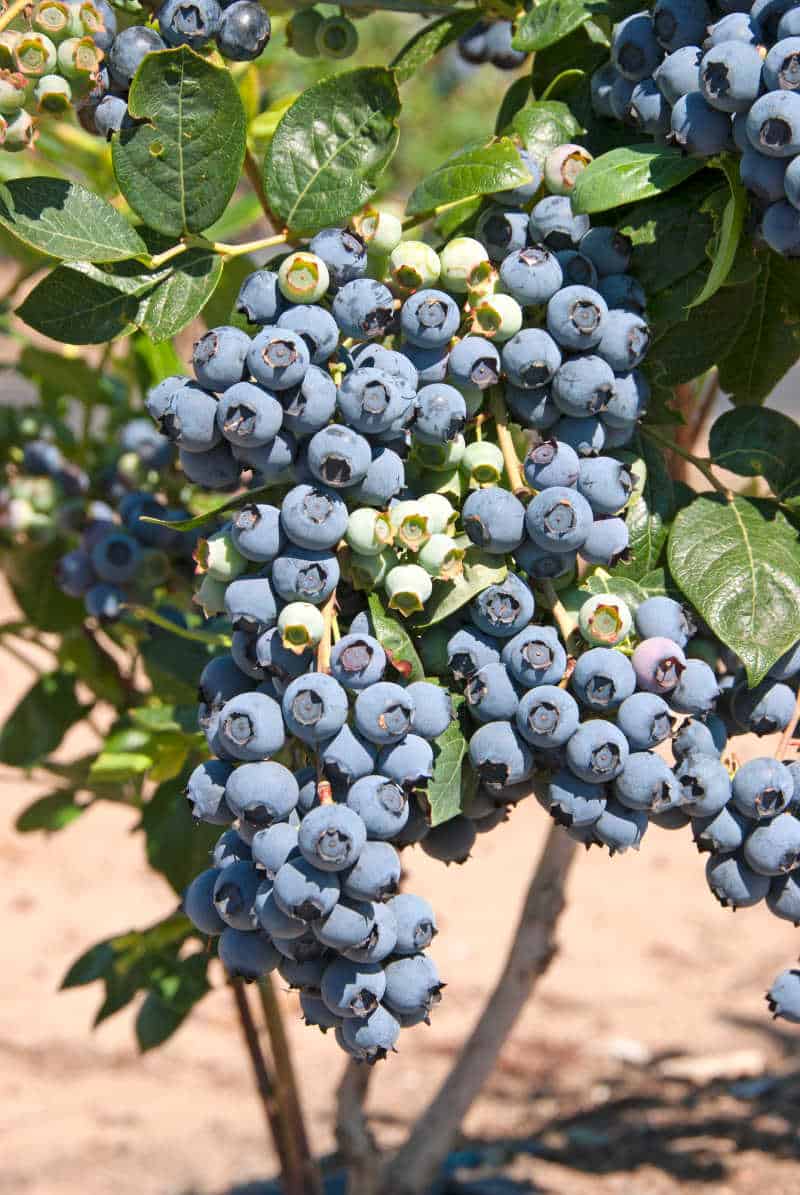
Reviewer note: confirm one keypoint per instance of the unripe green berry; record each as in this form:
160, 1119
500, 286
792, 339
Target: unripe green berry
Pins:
52, 18
368, 531
219, 556
79, 60
301, 32
410, 522
413, 265
9, 40
20, 131
381, 231
440, 457
439, 511
562, 167
35, 55
303, 278
210, 596
483, 463
408, 588
498, 317
52, 93
442, 558
604, 620
366, 572
337, 37
14, 89
19, 517
483, 280
458, 260
301, 626
85, 19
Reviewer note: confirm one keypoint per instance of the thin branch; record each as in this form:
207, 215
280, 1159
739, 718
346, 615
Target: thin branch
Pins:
324, 646
358, 1148
706, 397
788, 734
11, 13
497, 404
256, 180
557, 608
702, 464
532, 950
264, 1084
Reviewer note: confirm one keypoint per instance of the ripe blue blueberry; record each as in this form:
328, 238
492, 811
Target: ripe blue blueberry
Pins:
246, 955
605, 483
250, 727
190, 419
531, 358
679, 23
441, 414
576, 268
583, 386
250, 604
503, 609
338, 456
603, 678
679, 73
609, 250
647, 782
558, 519
554, 224
606, 540
762, 788
597, 752
532, 408
783, 898
620, 828
278, 357
658, 663
531, 275
315, 707
494, 520
313, 517
766, 709
733, 883
347, 757
430, 319
317, 326
547, 716
500, 756
259, 299
410, 762
305, 575
375, 875
305, 891
331, 837
722, 832
697, 690
129, 50
381, 804
474, 361
782, 65
189, 22
272, 846
244, 31
781, 229
698, 129
364, 309
644, 719
343, 252
198, 903
576, 318
574, 802
256, 532
535, 656
502, 231
730, 76
384, 713
416, 922
623, 291
264, 792
433, 711
783, 998
412, 985
773, 849
234, 894
491, 694
634, 49
709, 737
705, 783
773, 124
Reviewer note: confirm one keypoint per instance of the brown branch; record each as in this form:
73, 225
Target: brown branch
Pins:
531, 952
357, 1146
786, 737
497, 405
264, 1084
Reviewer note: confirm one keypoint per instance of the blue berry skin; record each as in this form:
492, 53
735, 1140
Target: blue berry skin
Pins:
441, 414
576, 268
220, 680
116, 558
698, 129
381, 804
734, 26
551, 464
409, 763
251, 727
277, 357
663, 616
524, 193
129, 50
491, 695
547, 716
384, 713
416, 828
606, 541
219, 357
532, 408
364, 309
246, 955
229, 848
305, 575
783, 898
250, 604
338, 456
679, 73
586, 436
697, 690
198, 903
679, 23
244, 31
260, 300
577, 318
304, 949
331, 837
412, 985
721, 833
494, 520
503, 609
766, 709
343, 252
635, 51
347, 757
574, 802
620, 97
309, 790
391, 361
624, 341
375, 875
767, 15
381, 940
243, 650
415, 920
383, 480
705, 783
730, 76
554, 224
429, 319
609, 250
733, 883
603, 678
452, 841
74, 573
110, 115
272, 846
234, 894
313, 517
271, 917
433, 711
531, 275
601, 83
371, 400
624, 292
472, 45
773, 849
605, 483
709, 737
190, 419
189, 22
467, 651
763, 788
502, 231
584, 386
248, 415
358, 661
531, 358
558, 519
430, 364
205, 792
782, 66
347, 926
620, 828
256, 532
783, 998
500, 756
658, 663
645, 720
474, 361
315, 707
272, 462
597, 752
317, 327
780, 229
647, 783
305, 891
773, 124
535, 657
789, 24
787, 666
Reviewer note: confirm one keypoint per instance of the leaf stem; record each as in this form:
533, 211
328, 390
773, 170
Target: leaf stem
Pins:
497, 404
11, 13
422, 217
220, 247
702, 464
786, 737
255, 178
147, 615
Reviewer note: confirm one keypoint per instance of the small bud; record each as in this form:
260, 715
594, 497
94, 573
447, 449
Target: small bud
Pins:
301, 626
79, 60
562, 167
85, 19
14, 89
410, 522
413, 265
408, 588
440, 457
219, 556
368, 531
381, 231
303, 278
498, 317
483, 463
604, 620
458, 260
35, 55
442, 558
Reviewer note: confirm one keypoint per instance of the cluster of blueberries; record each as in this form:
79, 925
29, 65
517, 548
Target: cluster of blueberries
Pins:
313, 35
715, 78
490, 41
36, 501
308, 880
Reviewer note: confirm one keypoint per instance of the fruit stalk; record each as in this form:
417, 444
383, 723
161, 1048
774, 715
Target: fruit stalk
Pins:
506, 444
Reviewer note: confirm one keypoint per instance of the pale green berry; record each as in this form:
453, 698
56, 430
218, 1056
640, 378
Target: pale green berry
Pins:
368, 531
20, 517
85, 19
52, 18
52, 93
14, 89
366, 572
301, 626
210, 596
458, 259
442, 558
441, 457
439, 511
35, 55
41, 492
303, 277
337, 37
9, 40
301, 32
20, 131
562, 167
410, 521
79, 59
483, 463
381, 231
498, 317
408, 588
412, 265
604, 620
483, 280
219, 556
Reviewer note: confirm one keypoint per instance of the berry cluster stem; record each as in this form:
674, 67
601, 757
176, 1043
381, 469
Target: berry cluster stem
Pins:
325, 643
563, 621
12, 12
702, 464
506, 443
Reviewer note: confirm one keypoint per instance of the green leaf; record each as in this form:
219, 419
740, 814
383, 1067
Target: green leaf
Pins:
396, 641
543, 125
177, 989
180, 164
477, 171
175, 846
758, 443
66, 220
427, 43
73, 308
331, 147
81, 655
40, 721
459, 219
769, 341
480, 571
663, 221
629, 175
50, 813
649, 514
90, 966
119, 765
687, 349
515, 98
176, 301
729, 234
738, 563
548, 22
445, 788
602, 581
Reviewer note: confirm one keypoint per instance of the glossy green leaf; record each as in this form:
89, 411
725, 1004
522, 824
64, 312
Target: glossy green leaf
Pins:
40, 720
176, 301
66, 220
480, 170
738, 563
445, 791
117, 766
687, 349
395, 640
730, 233
544, 124
480, 571
175, 845
430, 40
176, 991
548, 22
331, 147
629, 175
649, 513
73, 308
758, 443
769, 340
180, 163
515, 98
663, 221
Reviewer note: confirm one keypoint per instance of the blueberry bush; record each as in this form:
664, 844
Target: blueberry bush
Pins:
358, 493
